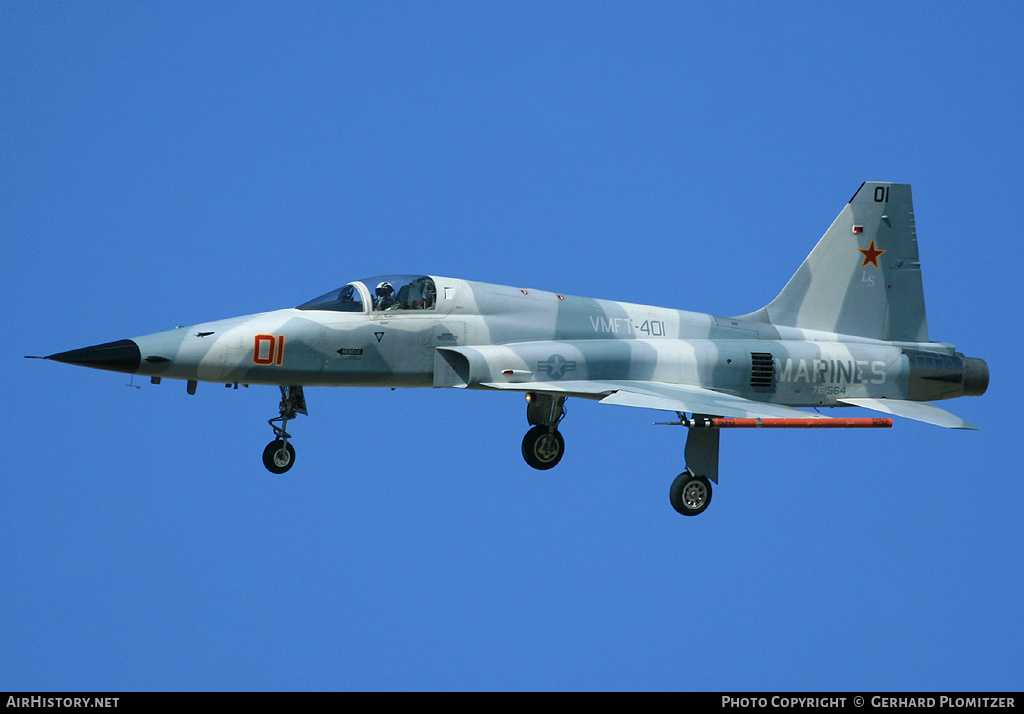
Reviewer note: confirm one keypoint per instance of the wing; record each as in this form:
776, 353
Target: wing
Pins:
697, 400
660, 395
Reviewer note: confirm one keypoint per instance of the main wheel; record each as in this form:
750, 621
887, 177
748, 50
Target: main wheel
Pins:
690, 494
279, 456
542, 447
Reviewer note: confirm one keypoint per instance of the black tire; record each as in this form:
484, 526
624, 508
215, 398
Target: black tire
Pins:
690, 494
279, 456
543, 448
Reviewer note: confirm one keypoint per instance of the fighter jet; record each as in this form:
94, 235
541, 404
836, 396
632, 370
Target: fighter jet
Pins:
848, 329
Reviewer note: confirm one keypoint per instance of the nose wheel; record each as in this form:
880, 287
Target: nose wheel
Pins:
279, 456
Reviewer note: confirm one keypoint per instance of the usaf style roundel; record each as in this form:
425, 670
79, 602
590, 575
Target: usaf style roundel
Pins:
556, 366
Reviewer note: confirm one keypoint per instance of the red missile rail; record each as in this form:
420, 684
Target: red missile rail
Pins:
700, 422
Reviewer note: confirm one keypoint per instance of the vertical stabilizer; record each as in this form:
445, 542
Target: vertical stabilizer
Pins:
864, 276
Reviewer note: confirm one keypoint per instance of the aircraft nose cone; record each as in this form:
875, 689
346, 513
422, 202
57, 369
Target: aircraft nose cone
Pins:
120, 356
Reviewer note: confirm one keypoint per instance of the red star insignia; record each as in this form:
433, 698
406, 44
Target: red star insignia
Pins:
871, 254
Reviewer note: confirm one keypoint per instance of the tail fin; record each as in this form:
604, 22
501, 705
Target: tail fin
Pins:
864, 276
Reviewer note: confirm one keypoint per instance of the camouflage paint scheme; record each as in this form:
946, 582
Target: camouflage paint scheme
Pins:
849, 328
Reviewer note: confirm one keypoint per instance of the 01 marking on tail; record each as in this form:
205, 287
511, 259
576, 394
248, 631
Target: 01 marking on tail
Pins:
849, 328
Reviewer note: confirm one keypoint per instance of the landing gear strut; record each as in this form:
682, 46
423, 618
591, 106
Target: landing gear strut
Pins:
543, 445
690, 493
279, 456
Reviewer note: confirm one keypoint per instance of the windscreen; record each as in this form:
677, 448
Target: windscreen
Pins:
346, 299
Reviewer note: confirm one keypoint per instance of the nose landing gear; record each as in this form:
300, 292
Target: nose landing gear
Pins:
279, 456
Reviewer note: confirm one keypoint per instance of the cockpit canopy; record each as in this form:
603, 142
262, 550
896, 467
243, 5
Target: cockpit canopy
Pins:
384, 293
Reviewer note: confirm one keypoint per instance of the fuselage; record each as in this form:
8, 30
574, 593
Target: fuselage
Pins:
469, 334
848, 329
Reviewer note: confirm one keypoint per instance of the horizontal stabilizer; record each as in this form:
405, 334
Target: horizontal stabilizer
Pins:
919, 411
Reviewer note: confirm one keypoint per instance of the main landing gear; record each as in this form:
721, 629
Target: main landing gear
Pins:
543, 446
690, 493
279, 456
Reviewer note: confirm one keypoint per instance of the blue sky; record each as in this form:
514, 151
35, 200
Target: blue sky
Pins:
166, 164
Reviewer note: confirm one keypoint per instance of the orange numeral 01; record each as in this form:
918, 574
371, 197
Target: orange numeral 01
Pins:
274, 351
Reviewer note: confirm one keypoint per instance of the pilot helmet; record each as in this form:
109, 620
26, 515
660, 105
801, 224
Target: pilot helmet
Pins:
385, 289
